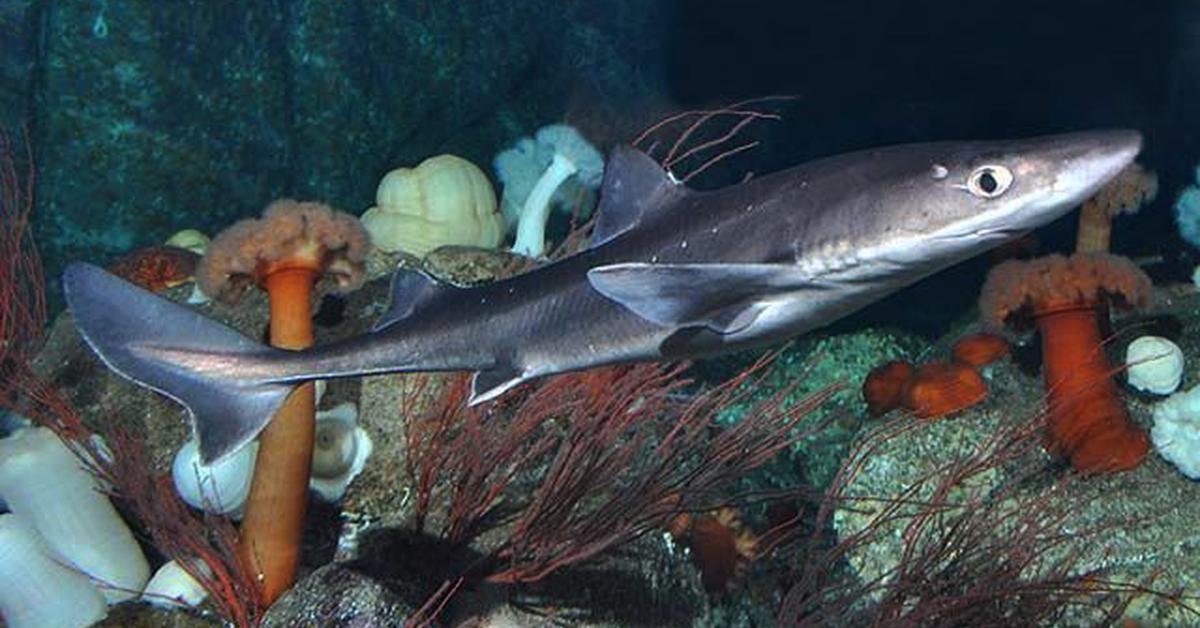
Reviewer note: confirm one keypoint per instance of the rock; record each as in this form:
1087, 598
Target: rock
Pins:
381, 496
465, 265
337, 596
134, 615
18, 24
1141, 520
160, 116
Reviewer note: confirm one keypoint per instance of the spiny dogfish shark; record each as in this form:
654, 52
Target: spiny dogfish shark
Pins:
671, 273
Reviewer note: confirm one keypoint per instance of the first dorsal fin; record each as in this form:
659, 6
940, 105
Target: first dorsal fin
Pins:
634, 186
410, 288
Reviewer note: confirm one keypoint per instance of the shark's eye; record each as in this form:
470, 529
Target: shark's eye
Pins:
989, 181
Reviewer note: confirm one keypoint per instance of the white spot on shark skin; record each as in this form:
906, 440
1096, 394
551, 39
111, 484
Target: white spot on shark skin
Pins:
939, 171
714, 231
683, 245
653, 259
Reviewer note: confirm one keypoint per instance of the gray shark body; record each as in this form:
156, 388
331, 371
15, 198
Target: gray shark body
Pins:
672, 273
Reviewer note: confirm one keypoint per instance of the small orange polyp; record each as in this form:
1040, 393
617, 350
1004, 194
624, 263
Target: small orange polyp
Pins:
942, 388
884, 384
979, 349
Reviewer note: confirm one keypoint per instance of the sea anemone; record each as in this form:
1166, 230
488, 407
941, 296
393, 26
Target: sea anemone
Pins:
292, 247
722, 548
979, 349
38, 588
48, 487
190, 239
936, 389
571, 157
1127, 192
884, 385
157, 268
1154, 365
445, 200
941, 388
1063, 295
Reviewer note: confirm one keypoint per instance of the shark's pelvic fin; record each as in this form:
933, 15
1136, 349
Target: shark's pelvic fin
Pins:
177, 352
493, 382
725, 298
634, 186
410, 289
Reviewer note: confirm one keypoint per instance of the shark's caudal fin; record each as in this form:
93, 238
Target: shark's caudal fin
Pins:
178, 352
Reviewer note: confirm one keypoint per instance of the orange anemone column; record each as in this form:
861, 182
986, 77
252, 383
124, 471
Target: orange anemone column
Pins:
1087, 421
274, 520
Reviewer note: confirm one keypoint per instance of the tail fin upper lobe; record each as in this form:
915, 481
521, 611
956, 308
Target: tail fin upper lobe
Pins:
178, 352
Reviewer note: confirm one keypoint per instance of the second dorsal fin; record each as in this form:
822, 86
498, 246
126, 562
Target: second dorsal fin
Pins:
634, 187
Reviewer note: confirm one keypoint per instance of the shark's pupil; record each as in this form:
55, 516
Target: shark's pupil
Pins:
988, 182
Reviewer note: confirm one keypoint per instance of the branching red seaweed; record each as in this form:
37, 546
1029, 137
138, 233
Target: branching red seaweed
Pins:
205, 546
22, 287
578, 464
678, 134
967, 557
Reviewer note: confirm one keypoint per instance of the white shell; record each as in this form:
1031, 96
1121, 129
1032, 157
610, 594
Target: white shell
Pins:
1154, 365
221, 488
36, 589
44, 484
340, 452
173, 587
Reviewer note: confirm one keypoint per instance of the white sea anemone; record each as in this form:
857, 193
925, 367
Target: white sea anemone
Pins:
1154, 365
172, 586
45, 485
220, 488
36, 589
340, 451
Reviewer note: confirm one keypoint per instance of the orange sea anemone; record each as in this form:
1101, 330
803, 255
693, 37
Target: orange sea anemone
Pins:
941, 388
722, 548
157, 268
979, 349
292, 247
1062, 295
884, 384
1131, 189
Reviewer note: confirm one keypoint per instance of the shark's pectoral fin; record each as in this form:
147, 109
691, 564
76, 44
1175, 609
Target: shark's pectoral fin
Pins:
725, 298
410, 289
491, 383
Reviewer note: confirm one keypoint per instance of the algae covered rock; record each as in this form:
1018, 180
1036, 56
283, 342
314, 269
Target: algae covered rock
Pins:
339, 596
157, 116
988, 478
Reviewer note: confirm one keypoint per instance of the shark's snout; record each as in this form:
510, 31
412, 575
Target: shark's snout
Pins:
1090, 160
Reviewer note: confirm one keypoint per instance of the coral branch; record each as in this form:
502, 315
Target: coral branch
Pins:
22, 288
577, 464
682, 148
967, 557
118, 460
